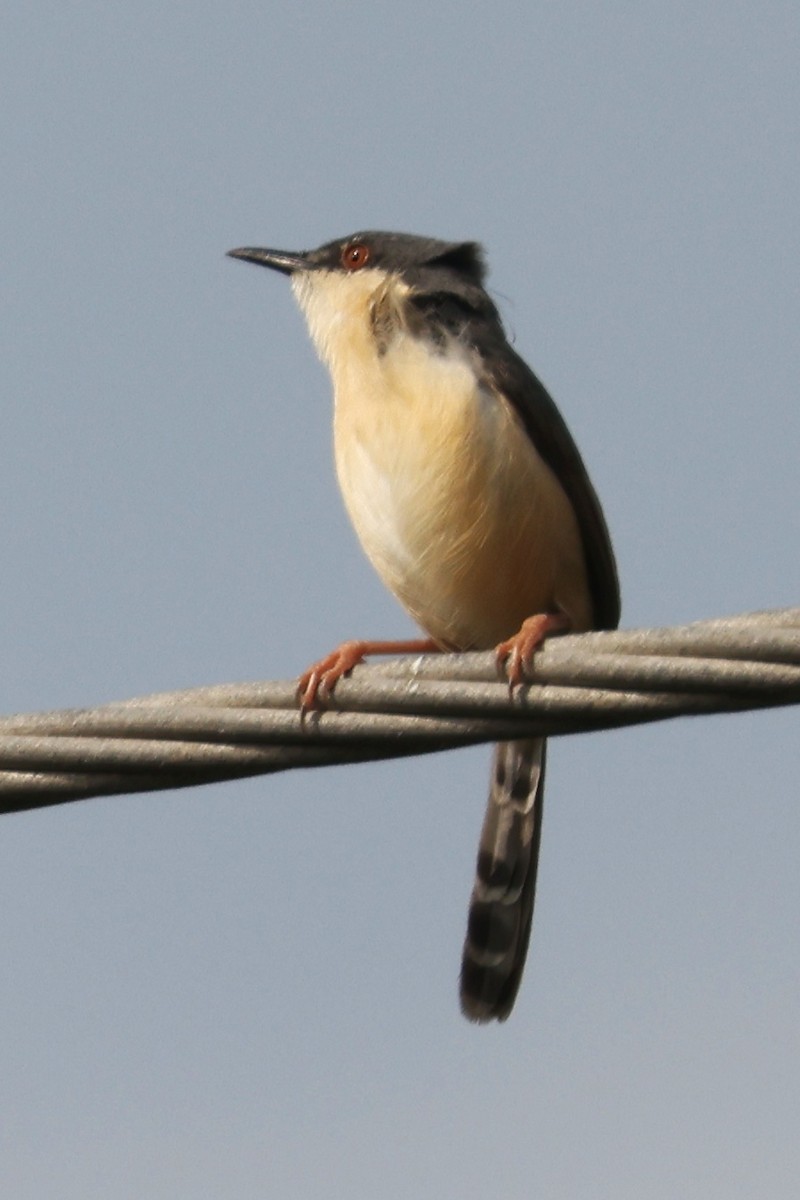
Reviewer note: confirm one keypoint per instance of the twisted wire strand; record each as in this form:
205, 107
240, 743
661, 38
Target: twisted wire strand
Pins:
580, 683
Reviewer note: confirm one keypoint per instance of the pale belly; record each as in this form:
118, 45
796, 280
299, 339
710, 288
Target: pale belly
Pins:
459, 515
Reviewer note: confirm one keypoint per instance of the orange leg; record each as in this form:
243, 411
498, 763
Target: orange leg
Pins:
320, 679
515, 656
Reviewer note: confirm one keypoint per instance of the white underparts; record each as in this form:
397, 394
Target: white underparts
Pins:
458, 513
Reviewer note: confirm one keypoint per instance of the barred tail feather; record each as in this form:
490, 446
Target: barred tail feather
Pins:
501, 905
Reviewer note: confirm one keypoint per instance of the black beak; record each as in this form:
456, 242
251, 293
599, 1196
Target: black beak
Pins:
285, 261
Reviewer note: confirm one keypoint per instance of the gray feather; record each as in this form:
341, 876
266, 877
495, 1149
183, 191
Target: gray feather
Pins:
501, 905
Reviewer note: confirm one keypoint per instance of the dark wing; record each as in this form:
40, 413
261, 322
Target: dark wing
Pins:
508, 374
468, 313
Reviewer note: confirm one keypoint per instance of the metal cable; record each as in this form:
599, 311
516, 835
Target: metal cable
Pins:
390, 709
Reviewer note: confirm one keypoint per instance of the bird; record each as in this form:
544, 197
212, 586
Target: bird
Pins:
472, 502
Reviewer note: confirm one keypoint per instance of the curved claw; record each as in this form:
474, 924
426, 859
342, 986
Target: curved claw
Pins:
317, 683
515, 656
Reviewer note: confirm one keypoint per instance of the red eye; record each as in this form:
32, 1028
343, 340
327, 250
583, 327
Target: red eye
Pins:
355, 256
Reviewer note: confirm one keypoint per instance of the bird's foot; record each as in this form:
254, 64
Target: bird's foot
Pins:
317, 683
515, 656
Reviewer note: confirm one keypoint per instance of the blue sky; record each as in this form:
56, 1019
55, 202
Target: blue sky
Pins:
250, 989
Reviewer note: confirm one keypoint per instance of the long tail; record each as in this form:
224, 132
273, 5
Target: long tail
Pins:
501, 905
